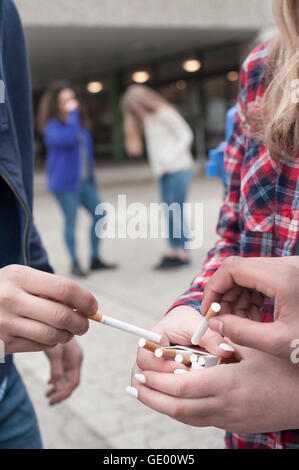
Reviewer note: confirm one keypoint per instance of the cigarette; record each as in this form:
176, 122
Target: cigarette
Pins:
166, 353
120, 325
193, 358
183, 359
201, 361
203, 327
148, 345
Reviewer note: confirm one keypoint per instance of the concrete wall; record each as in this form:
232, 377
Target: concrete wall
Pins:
238, 14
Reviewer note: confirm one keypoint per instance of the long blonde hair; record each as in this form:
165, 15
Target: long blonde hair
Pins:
150, 101
277, 118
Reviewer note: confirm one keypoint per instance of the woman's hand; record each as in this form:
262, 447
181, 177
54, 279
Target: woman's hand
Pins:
177, 327
241, 286
71, 105
257, 395
65, 362
34, 309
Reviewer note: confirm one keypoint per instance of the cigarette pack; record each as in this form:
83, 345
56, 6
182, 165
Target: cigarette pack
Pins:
204, 358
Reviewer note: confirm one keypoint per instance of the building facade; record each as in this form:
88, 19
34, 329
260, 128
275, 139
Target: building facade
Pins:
190, 50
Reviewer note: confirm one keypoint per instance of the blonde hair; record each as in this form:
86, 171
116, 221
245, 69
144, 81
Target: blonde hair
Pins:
150, 101
276, 120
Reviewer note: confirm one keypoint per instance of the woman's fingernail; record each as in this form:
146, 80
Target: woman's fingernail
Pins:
218, 324
140, 378
180, 371
226, 347
132, 391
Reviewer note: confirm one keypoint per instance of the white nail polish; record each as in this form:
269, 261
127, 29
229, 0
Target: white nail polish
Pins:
196, 366
180, 371
133, 392
140, 378
226, 347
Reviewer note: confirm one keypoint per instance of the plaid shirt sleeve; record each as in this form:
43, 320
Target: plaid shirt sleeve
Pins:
228, 224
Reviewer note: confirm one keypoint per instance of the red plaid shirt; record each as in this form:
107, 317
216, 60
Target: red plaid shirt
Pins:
260, 216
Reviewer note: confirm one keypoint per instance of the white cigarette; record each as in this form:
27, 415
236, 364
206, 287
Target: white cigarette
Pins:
203, 327
193, 358
201, 361
134, 330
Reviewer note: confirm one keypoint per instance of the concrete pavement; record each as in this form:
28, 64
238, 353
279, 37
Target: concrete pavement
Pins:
100, 414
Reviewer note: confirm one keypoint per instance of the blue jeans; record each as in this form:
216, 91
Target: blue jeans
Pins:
88, 197
18, 423
173, 189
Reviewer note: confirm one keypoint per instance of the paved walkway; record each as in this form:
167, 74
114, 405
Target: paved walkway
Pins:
100, 414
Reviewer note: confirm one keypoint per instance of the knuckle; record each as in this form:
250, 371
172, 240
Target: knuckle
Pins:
7, 296
276, 338
235, 332
140, 359
179, 410
13, 272
65, 337
51, 336
61, 318
181, 387
65, 288
231, 261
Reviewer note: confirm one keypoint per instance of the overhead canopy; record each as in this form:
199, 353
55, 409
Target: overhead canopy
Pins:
73, 39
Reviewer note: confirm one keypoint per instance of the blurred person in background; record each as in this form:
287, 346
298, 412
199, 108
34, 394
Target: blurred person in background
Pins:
70, 167
168, 141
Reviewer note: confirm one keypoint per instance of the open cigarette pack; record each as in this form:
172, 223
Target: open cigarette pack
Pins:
192, 357
195, 356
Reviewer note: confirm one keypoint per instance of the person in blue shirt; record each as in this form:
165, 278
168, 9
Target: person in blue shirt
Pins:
34, 312
70, 166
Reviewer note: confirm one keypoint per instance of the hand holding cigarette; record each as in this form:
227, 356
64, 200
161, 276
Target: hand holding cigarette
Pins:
34, 312
241, 285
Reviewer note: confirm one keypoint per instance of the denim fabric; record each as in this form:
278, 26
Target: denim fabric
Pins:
173, 189
69, 201
18, 423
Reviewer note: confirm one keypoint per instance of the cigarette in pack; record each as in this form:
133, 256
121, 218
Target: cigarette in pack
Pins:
190, 357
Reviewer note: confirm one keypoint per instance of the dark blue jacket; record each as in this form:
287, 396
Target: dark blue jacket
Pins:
63, 153
19, 240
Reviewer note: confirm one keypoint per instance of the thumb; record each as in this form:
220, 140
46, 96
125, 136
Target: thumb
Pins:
265, 337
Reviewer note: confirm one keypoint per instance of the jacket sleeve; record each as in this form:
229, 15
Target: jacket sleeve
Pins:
38, 257
62, 135
228, 224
